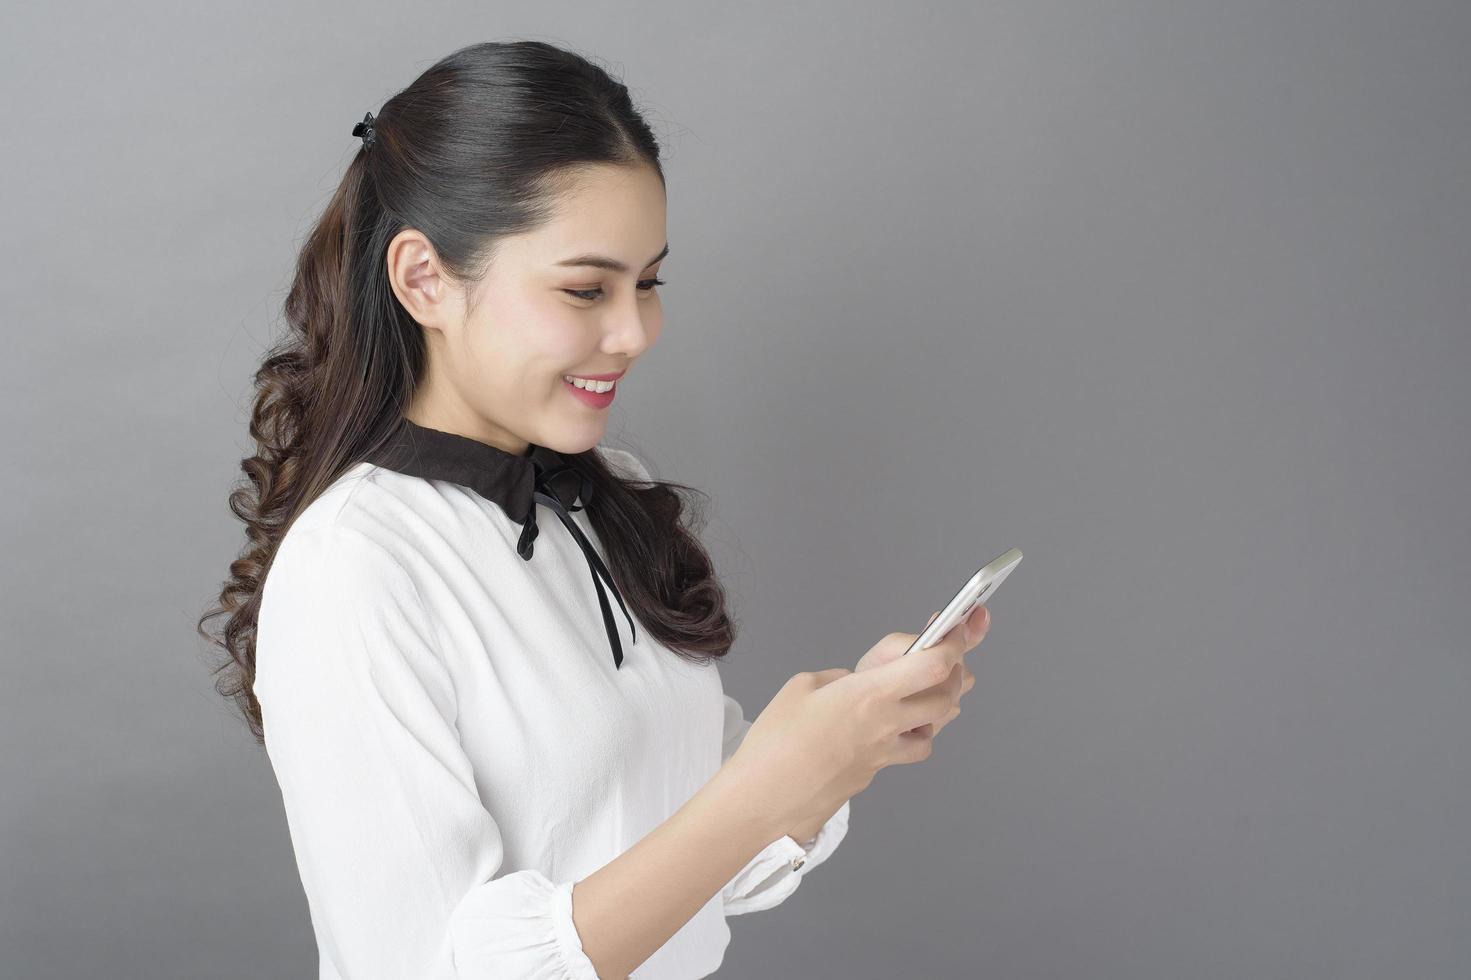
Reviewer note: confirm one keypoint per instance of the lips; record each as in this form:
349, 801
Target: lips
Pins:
591, 398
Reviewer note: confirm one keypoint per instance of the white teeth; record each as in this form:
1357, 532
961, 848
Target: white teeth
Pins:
589, 385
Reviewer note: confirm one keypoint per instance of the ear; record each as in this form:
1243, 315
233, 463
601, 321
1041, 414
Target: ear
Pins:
418, 280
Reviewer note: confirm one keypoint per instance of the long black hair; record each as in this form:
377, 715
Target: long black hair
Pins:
477, 148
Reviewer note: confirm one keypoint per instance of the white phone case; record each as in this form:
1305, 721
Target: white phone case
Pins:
973, 593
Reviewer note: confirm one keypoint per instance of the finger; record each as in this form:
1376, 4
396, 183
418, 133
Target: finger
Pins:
826, 677
961, 680
977, 624
928, 706
958, 637
953, 686
917, 671
965, 634
912, 747
911, 679
952, 683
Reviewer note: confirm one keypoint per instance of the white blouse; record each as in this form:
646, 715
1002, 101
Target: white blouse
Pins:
455, 747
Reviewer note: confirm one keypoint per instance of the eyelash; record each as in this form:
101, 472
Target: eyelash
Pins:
580, 293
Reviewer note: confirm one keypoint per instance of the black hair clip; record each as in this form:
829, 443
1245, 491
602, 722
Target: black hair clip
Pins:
365, 130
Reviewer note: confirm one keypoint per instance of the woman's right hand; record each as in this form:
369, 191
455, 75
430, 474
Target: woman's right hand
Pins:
827, 733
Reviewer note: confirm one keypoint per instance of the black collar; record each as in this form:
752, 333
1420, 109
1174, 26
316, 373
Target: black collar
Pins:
514, 483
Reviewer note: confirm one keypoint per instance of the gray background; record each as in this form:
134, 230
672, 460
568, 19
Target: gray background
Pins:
1172, 296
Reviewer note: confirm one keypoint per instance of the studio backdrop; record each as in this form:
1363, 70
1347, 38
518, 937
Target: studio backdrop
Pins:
1173, 297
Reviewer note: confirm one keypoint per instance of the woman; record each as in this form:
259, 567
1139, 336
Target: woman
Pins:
479, 648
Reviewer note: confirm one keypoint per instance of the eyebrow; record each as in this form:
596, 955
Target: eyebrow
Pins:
605, 262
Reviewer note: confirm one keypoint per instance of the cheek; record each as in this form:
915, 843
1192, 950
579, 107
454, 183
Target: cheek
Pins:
490, 364
563, 347
559, 342
487, 358
531, 343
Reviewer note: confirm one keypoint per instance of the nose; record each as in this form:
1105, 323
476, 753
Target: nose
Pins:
632, 332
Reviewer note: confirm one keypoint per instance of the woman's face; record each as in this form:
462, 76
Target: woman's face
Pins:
495, 371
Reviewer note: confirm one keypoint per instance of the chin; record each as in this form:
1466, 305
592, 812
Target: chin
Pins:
572, 440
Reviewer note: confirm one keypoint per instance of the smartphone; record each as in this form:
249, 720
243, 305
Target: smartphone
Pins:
973, 593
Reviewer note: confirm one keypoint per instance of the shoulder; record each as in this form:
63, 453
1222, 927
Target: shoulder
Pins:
352, 539
336, 565
377, 506
362, 495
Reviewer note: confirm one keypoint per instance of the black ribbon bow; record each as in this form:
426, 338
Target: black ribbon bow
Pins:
545, 492
516, 483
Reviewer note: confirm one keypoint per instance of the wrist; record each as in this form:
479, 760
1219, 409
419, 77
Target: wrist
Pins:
744, 791
806, 833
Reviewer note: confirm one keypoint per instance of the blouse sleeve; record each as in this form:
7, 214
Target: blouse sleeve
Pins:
399, 859
776, 871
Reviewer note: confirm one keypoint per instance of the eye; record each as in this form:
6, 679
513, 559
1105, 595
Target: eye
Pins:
591, 294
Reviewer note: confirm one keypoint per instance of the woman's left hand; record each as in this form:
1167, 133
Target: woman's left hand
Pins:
961, 679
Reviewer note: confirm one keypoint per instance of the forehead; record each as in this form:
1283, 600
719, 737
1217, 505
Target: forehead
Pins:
608, 210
